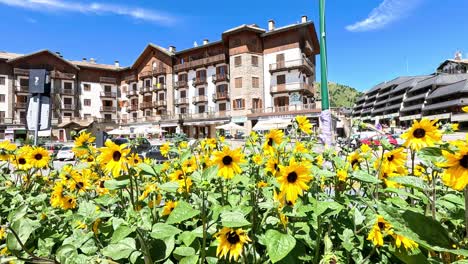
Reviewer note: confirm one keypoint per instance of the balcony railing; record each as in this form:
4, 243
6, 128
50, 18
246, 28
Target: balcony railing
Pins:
21, 105
108, 108
22, 89
207, 115
67, 91
304, 64
159, 87
181, 84
181, 101
19, 71
144, 90
108, 94
131, 93
131, 108
153, 73
160, 103
200, 62
199, 99
68, 107
62, 75
169, 116
130, 78
220, 78
221, 96
291, 87
107, 120
145, 105
110, 80
289, 109
199, 81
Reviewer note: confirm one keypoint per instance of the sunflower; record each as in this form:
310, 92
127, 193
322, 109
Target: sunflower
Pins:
21, 161
84, 139
422, 134
274, 137
407, 243
183, 145
228, 162
253, 137
39, 157
304, 124
231, 241
262, 184
101, 187
293, 180
185, 182
365, 148
6, 148
2, 233
209, 142
189, 165
272, 166
168, 208
342, 175
355, 160
114, 158
319, 160
134, 159
165, 149
80, 182
465, 109
379, 230
257, 159
56, 195
300, 148
149, 188
456, 172
68, 202
392, 160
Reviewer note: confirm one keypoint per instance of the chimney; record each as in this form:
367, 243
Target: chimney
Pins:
84, 59
195, 44
303, 19
116, 64
205, 41
92, 60
58, 54
172, 49
271, 25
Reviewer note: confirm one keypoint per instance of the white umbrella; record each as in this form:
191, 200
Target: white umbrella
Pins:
119, 131
231, 126
155, 130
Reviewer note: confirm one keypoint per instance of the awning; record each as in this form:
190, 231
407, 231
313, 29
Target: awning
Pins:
440, 116
410, 117
11, 130
205, 123
82, 124
264, 125
460, 117
169, 125
44, 133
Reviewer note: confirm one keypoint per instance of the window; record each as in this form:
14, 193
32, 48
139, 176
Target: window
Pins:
147, 83
255, 82
182, 78
222, 107
201, 75
107, 117
223, 88
87, 87
238, 104
67, 101
134, 101
124, 89
2, 80
67, 85
24, 82
134, 87
254, 61
2, 98
107, 88
22, 115
201, 91
183, 110
162, 97
237, 61
135, 115
68, 114
238, 82
256, 103
280, 79
222, 70
87, 102
148, 113
183, 94
201, 109
161, 80
280, 57
107, 103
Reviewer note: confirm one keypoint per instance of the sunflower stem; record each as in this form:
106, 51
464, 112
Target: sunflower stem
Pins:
466, 211
203, 249
433, 200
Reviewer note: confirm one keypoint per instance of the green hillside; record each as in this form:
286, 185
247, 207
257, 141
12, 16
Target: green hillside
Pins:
340, 95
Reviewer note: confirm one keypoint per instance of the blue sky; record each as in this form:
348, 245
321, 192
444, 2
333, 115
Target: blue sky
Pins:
368, 40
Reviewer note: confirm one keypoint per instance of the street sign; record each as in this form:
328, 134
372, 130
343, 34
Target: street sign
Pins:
37, 79
44, 116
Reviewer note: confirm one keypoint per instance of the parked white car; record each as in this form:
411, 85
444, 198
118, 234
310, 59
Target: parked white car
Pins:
65, 153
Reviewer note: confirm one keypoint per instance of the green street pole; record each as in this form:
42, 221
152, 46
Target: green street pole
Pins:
325, 116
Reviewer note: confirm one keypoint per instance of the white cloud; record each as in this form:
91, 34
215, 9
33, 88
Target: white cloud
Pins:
387, 12
91, 8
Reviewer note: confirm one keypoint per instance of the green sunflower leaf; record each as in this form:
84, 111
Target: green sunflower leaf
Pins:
233, 219
182, 212
120, 250
278, 244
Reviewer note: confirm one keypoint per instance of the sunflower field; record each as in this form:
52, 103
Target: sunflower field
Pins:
278, 199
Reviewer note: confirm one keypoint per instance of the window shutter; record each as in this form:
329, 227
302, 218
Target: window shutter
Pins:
243, 103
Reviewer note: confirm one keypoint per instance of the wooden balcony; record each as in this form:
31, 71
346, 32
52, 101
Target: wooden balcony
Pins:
159, 103
145, 105
211, 60
146, 90
288, 109
110, 80
132, 93
67, 91
22, 89
62, 75
153, 73
181, 84
108, 108
19, 71
220, 96
292, 87
130, 78
301, 64
199, 81
107, 120
21, 105
207, 115
159, 87
67, 107
182, 101
199, 99
132, 108
220, 78
109, 94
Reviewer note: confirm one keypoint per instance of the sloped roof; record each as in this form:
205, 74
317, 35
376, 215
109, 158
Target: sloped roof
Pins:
151, 46
458, 87
43, 51
286, 28
252, 27
8, 55
89, 64
440, 79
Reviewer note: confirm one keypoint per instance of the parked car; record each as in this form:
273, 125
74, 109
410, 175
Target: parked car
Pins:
155, 154
376, 140
65, 153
